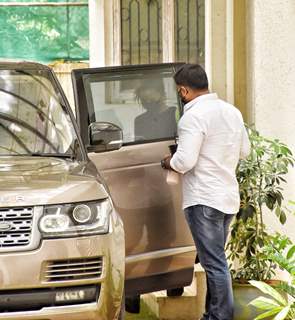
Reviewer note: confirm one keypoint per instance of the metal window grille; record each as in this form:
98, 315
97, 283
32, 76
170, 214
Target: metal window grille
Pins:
141, 25
189, 19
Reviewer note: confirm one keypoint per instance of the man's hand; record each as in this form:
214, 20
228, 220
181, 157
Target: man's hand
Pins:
165, 163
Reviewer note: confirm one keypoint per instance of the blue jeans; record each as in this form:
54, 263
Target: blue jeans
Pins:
209, 228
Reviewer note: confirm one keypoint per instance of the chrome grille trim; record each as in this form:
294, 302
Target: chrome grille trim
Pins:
85, 262
73, 269
18, 228
72, 276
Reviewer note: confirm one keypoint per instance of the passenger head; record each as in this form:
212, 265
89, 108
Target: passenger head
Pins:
191, 81
151, 94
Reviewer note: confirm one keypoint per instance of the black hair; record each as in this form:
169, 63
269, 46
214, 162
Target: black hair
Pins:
156, 84
191, 75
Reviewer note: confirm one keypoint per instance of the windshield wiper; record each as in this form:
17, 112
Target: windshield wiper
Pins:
52, 155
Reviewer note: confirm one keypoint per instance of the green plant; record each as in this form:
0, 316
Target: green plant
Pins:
260, 177
280, 306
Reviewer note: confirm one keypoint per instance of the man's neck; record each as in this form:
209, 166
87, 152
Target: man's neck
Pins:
199, 93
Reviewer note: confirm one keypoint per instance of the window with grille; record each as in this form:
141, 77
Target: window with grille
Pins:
142, 31
141, 27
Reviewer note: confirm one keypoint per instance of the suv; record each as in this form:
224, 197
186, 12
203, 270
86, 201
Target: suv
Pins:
67, 189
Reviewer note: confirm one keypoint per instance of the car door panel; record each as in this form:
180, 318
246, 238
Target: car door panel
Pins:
157, 236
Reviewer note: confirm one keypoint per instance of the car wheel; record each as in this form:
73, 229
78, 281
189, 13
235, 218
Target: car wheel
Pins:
176, 292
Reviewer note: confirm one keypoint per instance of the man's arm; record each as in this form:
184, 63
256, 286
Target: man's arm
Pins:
191, 136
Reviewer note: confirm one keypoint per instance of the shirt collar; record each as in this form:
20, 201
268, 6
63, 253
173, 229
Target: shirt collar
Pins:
197, 100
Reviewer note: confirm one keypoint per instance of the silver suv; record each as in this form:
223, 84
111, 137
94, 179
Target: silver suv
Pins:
66, 188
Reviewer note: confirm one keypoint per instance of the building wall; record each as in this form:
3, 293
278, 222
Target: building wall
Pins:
250, 46
271, 78
63, 73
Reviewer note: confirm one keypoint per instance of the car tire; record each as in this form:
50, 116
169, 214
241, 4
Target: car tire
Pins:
132, 304
176, 292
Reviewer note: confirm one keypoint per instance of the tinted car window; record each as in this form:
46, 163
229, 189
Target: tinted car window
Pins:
144, 105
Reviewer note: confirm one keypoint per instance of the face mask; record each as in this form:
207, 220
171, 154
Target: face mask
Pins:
183, 100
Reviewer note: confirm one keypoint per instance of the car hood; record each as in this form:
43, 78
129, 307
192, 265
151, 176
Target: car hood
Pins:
27, 181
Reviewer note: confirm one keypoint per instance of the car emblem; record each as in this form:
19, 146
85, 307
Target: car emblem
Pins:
12, 198
5, 226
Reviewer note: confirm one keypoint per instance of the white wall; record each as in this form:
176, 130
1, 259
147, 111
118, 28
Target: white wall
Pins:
271, 77
63, 73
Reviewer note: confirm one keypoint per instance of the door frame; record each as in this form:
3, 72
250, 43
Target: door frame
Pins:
78, 86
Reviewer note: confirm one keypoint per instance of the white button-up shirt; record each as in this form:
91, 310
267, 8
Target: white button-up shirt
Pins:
212, 139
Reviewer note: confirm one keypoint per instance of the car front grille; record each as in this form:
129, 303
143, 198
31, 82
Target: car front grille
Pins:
16, 226
73, 269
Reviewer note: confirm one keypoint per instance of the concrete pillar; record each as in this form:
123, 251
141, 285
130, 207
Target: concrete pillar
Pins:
240, 57
271, 78
96, 33
112, 33
168, 30
104, 33
219, 47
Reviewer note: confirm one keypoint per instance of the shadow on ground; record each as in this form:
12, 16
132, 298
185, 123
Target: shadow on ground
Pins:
145, 314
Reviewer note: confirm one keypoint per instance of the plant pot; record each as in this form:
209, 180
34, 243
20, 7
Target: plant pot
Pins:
243, 294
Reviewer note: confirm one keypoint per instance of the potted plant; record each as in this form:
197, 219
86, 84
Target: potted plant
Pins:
280, 301
260, 177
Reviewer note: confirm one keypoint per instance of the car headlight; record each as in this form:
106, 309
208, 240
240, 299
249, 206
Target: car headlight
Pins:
66, 220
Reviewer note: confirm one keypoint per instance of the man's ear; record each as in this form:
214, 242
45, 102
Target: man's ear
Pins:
184, 90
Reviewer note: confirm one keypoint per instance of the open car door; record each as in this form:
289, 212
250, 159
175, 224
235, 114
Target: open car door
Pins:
142, 100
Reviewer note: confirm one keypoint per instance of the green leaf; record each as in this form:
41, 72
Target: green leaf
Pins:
283, 217
284, 180
260, 242
267, 289
264, 303
285, 150
288, 288
278, 211
291, 252
279, 198
248, 212
270, 200
283, 314
269, 313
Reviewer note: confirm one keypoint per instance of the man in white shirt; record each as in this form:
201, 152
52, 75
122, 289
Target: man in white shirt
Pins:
212, 139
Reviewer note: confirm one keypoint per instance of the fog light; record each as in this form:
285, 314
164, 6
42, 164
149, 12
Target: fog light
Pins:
82, 213
70, 295
76, 295
54, 223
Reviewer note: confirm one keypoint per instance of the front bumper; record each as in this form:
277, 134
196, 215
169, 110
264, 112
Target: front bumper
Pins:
76, 312
62, 293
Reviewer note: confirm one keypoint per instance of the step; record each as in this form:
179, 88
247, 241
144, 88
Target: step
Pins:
190, 306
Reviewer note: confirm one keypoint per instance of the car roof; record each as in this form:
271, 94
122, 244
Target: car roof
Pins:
15, 64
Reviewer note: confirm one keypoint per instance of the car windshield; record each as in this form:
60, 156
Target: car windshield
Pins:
33, 120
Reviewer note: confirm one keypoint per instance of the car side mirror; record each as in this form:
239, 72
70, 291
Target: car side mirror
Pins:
104, 136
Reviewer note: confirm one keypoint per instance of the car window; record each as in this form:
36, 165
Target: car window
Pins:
144, 105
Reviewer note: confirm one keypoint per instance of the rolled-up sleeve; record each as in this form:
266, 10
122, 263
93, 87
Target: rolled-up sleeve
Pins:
191, 136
